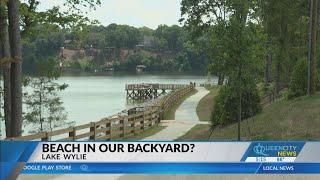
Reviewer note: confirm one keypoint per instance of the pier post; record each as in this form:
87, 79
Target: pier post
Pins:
122, 122
46, 137
93, 131
108, 125
72, 133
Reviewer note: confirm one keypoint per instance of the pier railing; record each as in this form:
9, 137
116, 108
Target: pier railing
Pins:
117, 127
154, 86
173, 97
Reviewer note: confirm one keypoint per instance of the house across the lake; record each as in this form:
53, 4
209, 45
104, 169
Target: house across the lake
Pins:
140, 68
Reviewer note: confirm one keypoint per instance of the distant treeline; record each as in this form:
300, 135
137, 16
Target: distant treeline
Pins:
121, 47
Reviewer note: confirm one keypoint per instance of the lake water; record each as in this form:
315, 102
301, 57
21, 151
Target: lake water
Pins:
91, 97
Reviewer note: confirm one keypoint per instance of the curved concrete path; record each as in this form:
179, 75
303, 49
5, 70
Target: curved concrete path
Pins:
185, 118
187, 111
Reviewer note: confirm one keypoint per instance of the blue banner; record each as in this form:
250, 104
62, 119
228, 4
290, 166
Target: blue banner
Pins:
168, 157
12, 152
171, 168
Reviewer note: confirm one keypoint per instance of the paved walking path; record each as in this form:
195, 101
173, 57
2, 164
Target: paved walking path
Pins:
186, 117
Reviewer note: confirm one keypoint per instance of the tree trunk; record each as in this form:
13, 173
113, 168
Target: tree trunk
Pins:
6, 65
267, 67
312, 47
314, 75
240, 101
40, 110
267, 70
220, 79
16, 70
282, 74
277, 79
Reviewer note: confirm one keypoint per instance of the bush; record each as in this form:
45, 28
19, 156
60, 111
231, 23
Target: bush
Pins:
227, 104
298, 83
267, 89
284, 94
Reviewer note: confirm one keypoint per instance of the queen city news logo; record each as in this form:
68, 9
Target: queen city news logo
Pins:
279, 151
265, 151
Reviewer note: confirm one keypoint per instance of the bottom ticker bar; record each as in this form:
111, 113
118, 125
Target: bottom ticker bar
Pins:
171, 168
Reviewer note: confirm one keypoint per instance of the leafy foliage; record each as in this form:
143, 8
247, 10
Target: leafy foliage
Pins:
122, 36
286, 24
225, 109
236, 45
45, 108
298, 83
46, 44
173, 35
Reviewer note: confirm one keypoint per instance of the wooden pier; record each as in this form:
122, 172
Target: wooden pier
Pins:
149, 91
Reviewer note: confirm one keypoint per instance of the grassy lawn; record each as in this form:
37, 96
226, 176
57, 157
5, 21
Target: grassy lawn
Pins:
199, 132
170, 115
297, 119
205, 105
144, 134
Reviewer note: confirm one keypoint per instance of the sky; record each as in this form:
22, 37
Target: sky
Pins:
138, 13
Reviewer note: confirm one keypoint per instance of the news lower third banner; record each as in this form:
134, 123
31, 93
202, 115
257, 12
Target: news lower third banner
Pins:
288, 157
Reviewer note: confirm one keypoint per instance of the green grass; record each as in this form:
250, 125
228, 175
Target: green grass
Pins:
297, 119
205, 105
170, 115
199, 132
149, 132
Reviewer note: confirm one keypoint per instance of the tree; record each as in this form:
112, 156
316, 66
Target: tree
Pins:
95, 37
312, 66
159, 44
16, 68
146, 31
45, 110
299, 79
285, 23
191, 57
73, 16
174, 35
241, 52
42, 30
240, 49
31, 18
217, 43
47, 43
226, 105
1, 104
6, 66
209, 19
122, 36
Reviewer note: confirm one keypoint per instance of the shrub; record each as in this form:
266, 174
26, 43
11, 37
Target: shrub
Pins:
227, 104
267, 89
298, 83
284, 94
